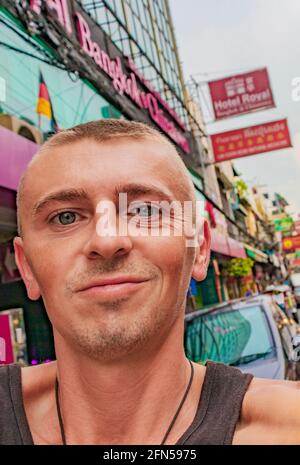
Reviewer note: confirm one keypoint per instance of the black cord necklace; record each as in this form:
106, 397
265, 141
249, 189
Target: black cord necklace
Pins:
61, 424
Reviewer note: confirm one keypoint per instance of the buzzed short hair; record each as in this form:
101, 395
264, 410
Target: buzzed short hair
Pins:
104, 130
98, 131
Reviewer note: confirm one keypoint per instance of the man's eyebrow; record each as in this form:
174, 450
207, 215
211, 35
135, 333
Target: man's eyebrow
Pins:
59, 196
136, 190
131, 189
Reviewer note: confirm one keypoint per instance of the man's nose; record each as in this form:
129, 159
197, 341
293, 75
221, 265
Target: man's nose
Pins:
108, 239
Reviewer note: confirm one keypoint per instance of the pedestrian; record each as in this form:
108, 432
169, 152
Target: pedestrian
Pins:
116, 302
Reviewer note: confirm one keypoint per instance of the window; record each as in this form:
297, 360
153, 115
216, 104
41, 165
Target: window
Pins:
234, 337
141, 30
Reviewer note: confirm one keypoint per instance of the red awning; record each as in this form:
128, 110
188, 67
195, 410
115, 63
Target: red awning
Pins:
236, 248
219, 243
225, 245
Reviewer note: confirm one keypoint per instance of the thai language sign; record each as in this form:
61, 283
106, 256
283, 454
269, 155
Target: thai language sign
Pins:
242, 93
251, 140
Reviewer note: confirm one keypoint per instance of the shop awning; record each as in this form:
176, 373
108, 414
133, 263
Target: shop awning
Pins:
236, 248
219, 243
256, 254
15, 154
225, 245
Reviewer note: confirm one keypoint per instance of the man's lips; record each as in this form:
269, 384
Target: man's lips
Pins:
112, 287
112, 282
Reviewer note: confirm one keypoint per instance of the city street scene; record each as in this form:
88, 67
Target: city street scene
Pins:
218, 82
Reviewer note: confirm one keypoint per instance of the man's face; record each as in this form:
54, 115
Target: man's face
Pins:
65, 257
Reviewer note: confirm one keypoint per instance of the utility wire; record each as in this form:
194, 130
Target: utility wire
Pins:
23, 52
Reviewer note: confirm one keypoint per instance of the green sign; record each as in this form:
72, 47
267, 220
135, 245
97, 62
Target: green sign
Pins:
284, 224
250, 253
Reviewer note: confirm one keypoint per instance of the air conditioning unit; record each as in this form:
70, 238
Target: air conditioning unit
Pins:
21, 127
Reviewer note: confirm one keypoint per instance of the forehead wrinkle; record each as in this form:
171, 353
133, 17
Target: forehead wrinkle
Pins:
138, 189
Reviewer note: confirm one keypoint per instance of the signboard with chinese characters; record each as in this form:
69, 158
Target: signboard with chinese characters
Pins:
251, 140
242, 93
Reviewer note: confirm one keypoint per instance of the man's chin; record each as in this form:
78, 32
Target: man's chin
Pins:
116, 333
111, 346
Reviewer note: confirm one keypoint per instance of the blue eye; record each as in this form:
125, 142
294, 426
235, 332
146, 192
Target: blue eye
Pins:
64, 218
145, 210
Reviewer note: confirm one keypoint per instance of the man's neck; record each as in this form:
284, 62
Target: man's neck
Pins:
125, 402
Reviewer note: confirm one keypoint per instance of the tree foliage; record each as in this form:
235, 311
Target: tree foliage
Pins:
241, 188
238, 267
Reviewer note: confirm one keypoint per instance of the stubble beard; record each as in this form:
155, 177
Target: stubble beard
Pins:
120, 336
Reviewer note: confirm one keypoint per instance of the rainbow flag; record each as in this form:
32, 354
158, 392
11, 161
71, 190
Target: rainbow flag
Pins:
44, 104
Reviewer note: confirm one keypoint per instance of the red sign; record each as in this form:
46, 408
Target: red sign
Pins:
291, 243
242, 93
251, 141
6, 345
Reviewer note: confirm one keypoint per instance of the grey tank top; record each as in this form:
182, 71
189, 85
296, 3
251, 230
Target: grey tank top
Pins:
217, 415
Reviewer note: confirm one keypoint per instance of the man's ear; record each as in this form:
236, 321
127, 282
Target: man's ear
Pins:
33, 290
202, 255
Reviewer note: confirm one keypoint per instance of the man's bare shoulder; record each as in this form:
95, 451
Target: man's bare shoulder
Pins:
270, 413
38, 380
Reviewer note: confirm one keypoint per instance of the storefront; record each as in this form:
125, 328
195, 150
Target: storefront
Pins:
226, 248
261, 269
217, 287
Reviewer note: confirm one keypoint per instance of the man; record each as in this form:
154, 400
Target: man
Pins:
116, 302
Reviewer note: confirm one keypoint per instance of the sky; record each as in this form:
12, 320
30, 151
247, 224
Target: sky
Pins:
219, 38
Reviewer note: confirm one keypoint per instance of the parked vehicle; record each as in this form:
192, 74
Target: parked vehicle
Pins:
252, 334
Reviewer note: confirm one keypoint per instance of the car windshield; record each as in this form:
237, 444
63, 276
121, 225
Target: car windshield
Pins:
233, 337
